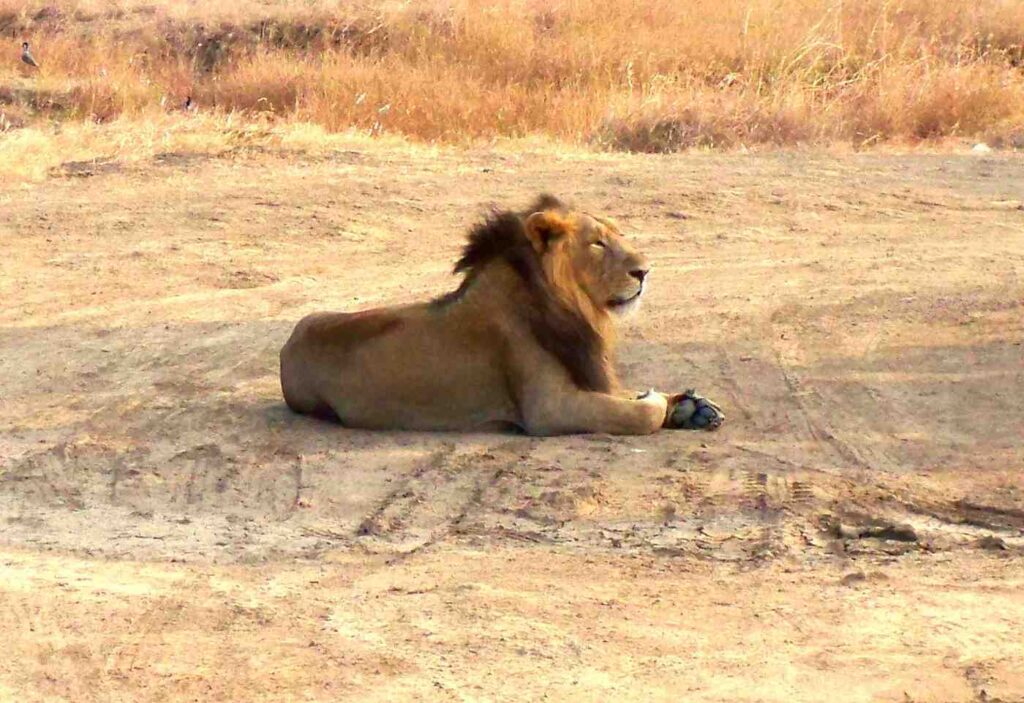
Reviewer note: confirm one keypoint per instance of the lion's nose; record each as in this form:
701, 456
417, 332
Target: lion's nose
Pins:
639, 274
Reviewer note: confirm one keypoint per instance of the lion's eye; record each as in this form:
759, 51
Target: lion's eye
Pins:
599, 244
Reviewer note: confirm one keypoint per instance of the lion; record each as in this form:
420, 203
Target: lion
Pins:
525, 341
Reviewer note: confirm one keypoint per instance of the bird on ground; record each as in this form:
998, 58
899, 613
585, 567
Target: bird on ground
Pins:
26, 55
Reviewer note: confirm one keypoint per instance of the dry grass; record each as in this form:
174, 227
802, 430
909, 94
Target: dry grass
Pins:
78, 148
650, 75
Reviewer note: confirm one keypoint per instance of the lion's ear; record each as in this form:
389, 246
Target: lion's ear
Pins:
543, 228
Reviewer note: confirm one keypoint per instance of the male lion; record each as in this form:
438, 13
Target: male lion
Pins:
525, 340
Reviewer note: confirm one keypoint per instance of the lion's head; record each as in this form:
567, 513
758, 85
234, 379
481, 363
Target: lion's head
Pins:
588, 253
577, 270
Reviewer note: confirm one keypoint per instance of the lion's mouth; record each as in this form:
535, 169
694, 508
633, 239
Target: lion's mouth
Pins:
624, 300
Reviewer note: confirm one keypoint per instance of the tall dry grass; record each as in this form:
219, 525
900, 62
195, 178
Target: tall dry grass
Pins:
642, 75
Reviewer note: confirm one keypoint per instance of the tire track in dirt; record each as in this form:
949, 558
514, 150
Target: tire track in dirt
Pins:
388, 516
803, 405
817, 428
877, 505
433, 501
735, 513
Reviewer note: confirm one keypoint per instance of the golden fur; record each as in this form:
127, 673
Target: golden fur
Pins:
525, 340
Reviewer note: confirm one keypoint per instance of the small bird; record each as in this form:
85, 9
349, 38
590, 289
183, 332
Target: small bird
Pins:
26, 55
190, 105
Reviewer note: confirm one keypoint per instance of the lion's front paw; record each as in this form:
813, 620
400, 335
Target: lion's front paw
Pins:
693, 412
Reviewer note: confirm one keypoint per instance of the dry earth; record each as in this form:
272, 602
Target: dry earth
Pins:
168, 531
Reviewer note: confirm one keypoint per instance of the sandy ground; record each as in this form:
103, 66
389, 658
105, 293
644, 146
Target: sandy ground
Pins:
169, 531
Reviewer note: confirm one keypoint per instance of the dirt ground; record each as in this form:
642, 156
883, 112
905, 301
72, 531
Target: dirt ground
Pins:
169, 531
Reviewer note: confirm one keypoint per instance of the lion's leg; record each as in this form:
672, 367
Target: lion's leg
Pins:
581, 411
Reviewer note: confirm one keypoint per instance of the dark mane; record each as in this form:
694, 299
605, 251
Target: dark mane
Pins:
560, 329
502, 232
501, 235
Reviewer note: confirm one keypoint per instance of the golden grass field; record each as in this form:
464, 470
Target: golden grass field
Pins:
647, 75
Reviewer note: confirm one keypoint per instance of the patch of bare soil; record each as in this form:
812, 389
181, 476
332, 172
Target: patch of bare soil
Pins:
168, 530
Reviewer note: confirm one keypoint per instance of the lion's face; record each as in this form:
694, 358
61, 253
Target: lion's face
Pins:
592, 252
